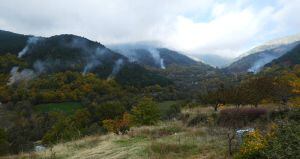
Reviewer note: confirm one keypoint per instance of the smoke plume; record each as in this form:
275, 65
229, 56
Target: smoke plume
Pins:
130, 51
92, 54
24, 75
264, 59
30, 41
118, 65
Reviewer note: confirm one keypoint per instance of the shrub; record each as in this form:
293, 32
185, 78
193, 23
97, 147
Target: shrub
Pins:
200, 118
285, 143
109, 110
184, 118
63, 130
119, 125
164, 131
252, 147
110, 125
290, 114
145, 112
240, 117
170, 112
278, 114
3, 142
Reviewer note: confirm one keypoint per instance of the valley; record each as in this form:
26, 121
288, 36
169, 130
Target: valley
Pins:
66, 96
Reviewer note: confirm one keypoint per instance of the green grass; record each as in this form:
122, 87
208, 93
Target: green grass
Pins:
166, 106
131, 141
67, 107
167, 103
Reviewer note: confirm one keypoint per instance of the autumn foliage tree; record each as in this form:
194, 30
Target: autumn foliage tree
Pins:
118, 126
146, 112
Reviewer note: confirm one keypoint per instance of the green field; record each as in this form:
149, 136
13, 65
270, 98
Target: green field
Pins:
67, 107
168, 103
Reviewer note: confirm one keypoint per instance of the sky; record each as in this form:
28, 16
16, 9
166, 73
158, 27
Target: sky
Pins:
222, 27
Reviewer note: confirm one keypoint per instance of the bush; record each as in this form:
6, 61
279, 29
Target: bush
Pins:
145, 112
285, 143
285, 114
278, 114
63, 130
200, 118
3, 142
170, 112
119, 125
158, 133
253, 145
109, 110
240, 117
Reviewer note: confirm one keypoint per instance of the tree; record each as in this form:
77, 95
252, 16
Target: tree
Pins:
3, 142
216, 98
108, 110
118, 125
8, 61
146, 112
258, 89
282, 90
81, 119
237, 96
62, 130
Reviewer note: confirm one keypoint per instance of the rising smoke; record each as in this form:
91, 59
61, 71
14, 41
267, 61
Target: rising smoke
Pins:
264, 59
118, 65
162, 65
30, 42
156, 56
92, 54
24, 75
92, 64
130, 51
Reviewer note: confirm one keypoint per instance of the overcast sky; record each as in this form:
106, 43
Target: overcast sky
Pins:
222, 27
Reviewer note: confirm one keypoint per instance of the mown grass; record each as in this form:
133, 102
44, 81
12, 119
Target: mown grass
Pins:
66, 107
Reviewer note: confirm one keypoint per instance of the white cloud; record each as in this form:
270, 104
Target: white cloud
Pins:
197, 26
227, 34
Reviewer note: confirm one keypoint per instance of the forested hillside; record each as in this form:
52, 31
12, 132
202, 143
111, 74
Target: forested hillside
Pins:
66, 96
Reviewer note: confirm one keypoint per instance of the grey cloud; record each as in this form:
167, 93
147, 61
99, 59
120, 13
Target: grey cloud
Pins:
122, 21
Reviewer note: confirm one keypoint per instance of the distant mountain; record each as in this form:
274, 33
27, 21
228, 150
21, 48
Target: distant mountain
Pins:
73, 53
289, 59
153, 56
191, 77
255, 59
12, 42
215, 60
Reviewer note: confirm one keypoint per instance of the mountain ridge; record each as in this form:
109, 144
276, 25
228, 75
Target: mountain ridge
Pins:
255, 59
69, 52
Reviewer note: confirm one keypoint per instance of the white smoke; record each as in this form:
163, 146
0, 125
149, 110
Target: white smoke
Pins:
90, 66
24, 75
30, 41
118, 65
92, 55
39, 66
156, 56
130, 51
258, 65
100, 51
162, 65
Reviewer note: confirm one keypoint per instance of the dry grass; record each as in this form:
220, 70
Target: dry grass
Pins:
166, 140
